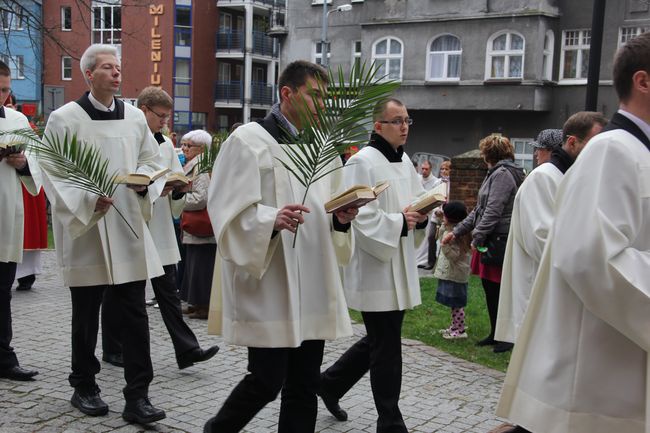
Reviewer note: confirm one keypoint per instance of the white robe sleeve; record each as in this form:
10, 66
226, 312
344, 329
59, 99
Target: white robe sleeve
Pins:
377, 232
599, 219
537, 196
243, 226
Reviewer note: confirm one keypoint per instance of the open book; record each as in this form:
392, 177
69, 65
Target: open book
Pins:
430, 200
355, 196
144, 179
11, 146
177, 180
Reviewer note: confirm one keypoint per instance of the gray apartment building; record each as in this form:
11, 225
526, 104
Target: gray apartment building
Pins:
471, 67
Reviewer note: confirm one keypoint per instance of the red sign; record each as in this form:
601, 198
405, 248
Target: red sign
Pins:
29, 109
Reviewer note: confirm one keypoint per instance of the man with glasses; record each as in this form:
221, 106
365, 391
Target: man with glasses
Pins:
381, 280
157, 107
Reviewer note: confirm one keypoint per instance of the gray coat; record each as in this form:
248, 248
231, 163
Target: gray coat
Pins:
494, 206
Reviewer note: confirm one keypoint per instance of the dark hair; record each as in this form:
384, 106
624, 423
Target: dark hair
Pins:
495, 148
4, 69
297, 73
579, 125
380, 108
426, 161
632, 57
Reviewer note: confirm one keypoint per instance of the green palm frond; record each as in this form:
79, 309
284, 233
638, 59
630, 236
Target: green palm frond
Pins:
79, 164
209, 155
17, 140
343, 121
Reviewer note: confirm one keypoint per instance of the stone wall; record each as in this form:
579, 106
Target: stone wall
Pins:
467, 173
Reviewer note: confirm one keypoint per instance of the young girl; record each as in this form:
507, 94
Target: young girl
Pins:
452, 270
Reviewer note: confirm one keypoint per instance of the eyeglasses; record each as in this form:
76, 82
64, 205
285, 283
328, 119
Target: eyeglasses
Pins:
398, 122
160, 116
186, 144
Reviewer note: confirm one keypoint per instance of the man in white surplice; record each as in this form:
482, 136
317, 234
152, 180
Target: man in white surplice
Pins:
426, 252
15, 168
580, 363
279, 301
96, 250
532, 215
382, 279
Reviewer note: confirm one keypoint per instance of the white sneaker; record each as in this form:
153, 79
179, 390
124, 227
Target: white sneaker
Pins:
454, 335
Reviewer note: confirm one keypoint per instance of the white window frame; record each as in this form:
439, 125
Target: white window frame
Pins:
317, 55
376, 58
356, 55
547, 63
16, 66
626, 33
320, 2
225, 72
223, 18
63, 68
507, 54
522, 157
13, 18
65, 9
103, 7
445, 62
580, 47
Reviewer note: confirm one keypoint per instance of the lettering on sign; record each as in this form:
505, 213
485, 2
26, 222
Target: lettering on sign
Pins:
156, 43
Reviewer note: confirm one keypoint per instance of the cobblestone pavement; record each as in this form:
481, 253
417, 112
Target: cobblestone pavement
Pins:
440, 393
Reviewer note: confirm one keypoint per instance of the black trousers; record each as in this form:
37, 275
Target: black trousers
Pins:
164, 287
379, 352
432, 244
492, 291
8, 357
295, 371
127, 302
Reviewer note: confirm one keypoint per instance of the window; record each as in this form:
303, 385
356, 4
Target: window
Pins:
318, 53
547, 61
224, 72
225, 22
356, 54
627, 33
182, 78
66, 68
505, 56
12, 17
444, 58
66, 18
387, 56
16, 65
574, 63
523, 152
106, 23
183, 17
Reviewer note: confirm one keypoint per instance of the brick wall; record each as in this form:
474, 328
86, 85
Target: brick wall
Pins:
467, 173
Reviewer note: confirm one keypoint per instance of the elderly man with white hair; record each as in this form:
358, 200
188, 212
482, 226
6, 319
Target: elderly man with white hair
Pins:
97, 253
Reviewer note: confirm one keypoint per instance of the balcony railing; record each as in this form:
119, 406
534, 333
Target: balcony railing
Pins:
276, 3
262, 44
262, 93
230, 41
229, 91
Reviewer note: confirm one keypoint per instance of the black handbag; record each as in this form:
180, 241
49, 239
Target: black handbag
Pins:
496, 249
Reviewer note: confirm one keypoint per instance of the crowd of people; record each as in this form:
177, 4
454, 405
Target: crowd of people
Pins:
562, 255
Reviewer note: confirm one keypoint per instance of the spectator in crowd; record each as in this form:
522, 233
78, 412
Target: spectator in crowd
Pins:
489, 223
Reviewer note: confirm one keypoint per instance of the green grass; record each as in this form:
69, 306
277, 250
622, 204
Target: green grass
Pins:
423, 324
50, 237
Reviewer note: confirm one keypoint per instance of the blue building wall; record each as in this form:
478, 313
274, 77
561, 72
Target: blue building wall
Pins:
25, 40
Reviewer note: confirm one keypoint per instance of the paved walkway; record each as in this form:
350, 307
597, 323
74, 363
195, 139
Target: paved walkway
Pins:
440, 393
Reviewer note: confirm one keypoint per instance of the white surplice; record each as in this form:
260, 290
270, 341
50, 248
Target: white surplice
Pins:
532, 216
96, 248
11, 194
382, 275
265, 292
161, 224
580, 362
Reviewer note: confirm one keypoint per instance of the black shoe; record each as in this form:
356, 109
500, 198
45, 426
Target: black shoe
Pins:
141, 411
151, 302
18, 373
502, 346
332, 404
487, 341
89, 401
197, 355
114, 359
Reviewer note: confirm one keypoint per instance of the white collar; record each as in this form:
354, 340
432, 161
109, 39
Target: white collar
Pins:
98, 105
637, 121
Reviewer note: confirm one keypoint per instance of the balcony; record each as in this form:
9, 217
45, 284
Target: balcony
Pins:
263, 44
229, 93
229, 41
262, 94
272, 3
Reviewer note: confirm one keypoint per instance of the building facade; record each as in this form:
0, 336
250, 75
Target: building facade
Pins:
161, 43
21, 50
472, 67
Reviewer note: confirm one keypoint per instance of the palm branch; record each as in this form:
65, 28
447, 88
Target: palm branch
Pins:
343, 121
209, 154
16, 140
78, 164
